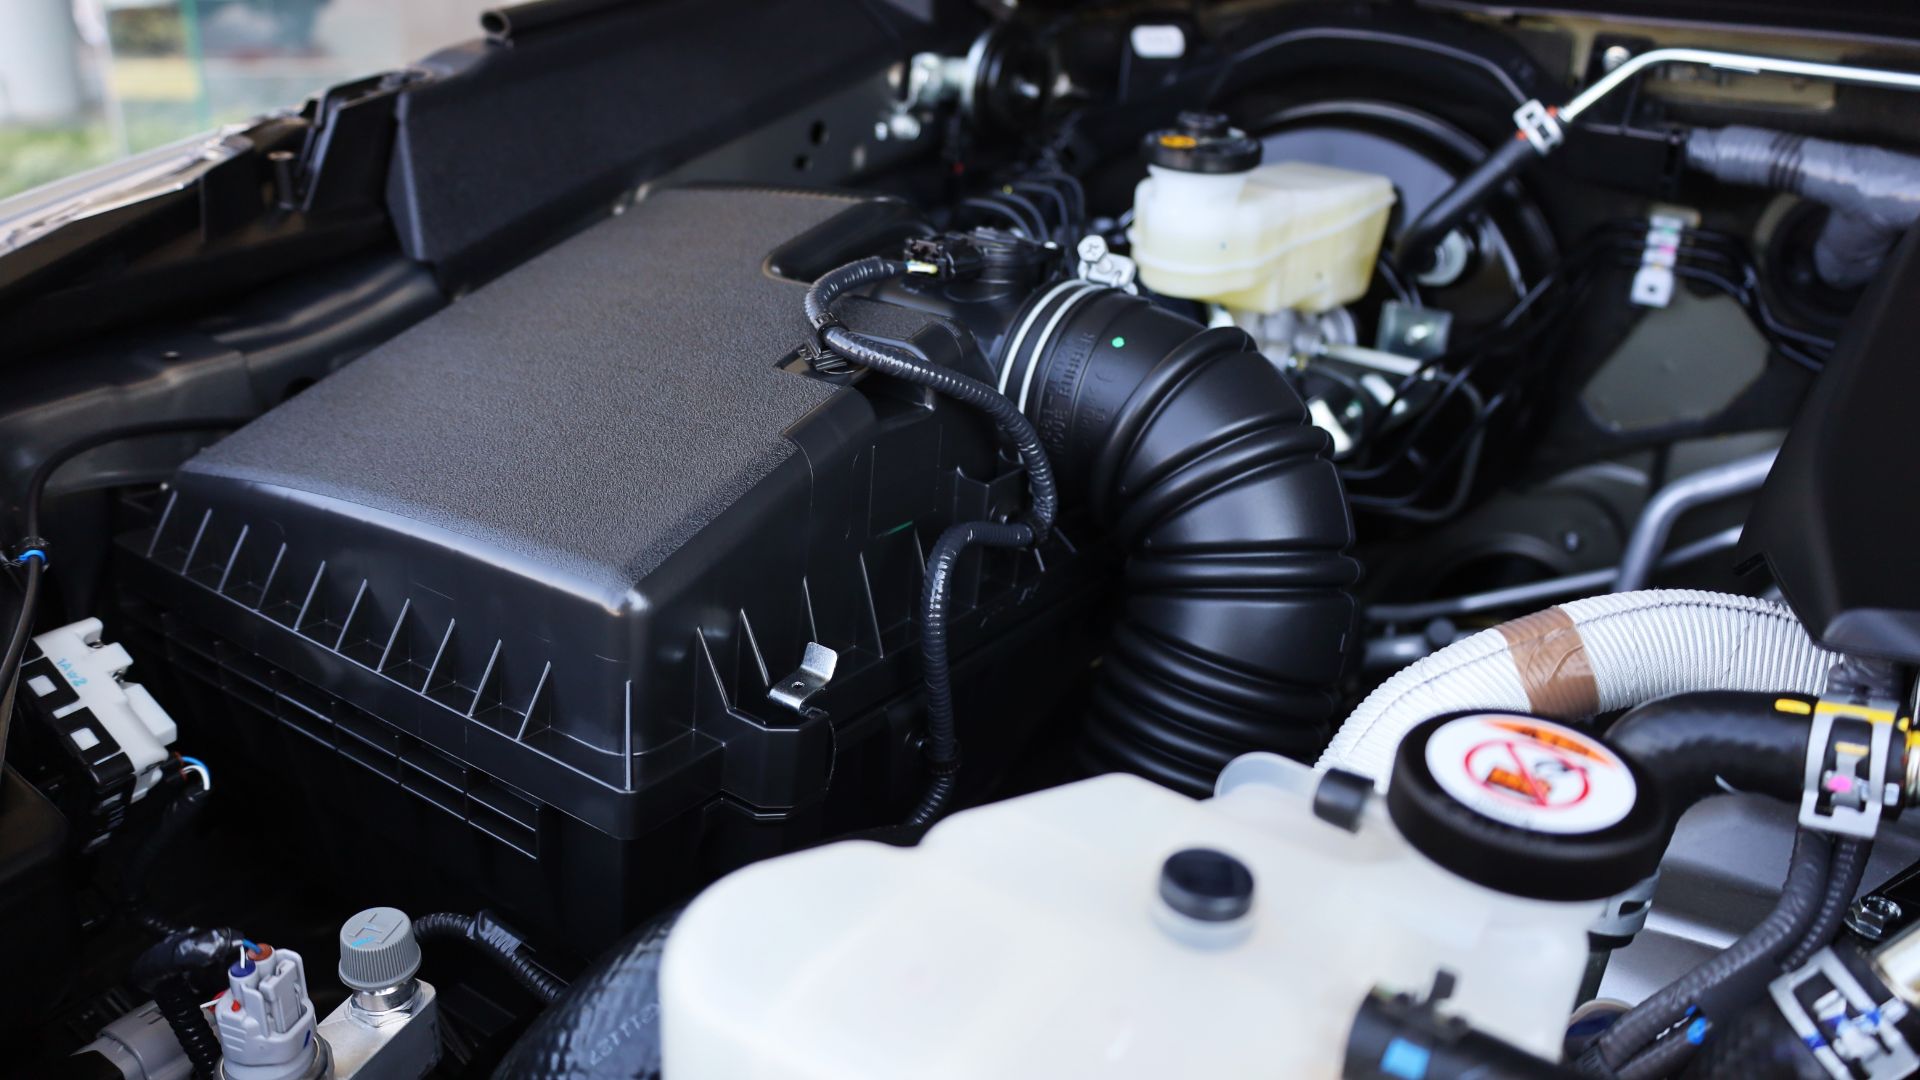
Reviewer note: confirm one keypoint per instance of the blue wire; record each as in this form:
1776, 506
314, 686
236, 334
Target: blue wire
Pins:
185, 760
249, 946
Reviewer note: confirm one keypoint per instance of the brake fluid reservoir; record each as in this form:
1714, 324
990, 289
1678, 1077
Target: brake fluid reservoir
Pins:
1114, 928
1212, 223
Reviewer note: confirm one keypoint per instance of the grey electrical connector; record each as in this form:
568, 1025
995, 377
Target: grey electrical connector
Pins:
388, 1029
141, 1046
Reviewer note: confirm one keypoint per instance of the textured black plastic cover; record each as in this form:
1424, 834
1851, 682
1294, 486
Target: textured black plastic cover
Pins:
587, 413
476, 514
1836, 520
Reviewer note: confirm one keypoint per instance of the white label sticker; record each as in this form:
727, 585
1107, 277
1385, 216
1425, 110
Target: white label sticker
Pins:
1531, 773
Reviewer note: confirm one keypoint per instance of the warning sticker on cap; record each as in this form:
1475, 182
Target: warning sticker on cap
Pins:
1531, 773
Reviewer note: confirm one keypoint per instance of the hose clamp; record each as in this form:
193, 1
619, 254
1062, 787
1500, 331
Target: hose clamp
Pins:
33, 547
1854, 770
1540, 125
1851, 1035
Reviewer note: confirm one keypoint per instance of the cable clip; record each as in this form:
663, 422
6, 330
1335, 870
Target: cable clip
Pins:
1851, 1034
1851, 759
1540, 126
33, 547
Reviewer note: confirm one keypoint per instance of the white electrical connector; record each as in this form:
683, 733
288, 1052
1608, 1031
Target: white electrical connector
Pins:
84, 693
266, 1021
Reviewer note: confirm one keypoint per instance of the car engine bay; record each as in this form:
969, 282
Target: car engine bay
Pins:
864, 539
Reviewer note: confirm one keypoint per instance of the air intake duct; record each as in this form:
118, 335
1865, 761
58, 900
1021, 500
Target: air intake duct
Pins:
1196, 458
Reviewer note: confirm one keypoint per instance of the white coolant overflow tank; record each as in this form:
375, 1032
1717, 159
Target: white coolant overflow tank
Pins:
1114, 928
1211, 223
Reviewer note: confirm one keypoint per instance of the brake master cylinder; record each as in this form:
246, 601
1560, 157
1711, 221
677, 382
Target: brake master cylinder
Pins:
1212, 223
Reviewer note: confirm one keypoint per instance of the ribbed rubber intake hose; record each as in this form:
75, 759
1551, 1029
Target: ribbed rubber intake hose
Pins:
1197, 458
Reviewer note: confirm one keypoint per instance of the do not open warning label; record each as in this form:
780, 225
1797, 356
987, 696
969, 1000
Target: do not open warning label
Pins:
1531, 773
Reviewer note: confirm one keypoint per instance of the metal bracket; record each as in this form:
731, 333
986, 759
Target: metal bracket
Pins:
815, 671
1540, 126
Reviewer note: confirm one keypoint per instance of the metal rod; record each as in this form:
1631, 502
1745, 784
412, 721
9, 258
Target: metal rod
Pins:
1730, 61
1534, 592
1650, 532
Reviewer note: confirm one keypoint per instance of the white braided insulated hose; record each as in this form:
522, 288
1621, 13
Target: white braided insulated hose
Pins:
1586, 657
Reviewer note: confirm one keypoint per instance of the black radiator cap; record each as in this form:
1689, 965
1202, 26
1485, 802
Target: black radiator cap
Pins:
1836, 519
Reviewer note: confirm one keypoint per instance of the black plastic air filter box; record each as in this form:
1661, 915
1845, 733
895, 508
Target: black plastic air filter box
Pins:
492, 615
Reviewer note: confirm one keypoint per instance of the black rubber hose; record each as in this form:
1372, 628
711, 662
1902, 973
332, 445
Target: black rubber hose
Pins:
1005, 212
1850, 858
1724, 985
943, 740
1690, 742
494, 944
181, 971
1198, 458
607, 1023
1413, 252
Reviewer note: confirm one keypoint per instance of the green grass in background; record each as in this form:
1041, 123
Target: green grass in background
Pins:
31, 156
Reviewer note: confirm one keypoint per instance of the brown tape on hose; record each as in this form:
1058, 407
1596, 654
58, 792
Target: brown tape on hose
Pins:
1552, 661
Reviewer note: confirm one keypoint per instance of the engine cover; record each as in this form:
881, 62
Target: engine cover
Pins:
509, 594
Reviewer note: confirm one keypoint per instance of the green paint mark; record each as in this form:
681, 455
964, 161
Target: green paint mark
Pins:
902, 527
1119, 343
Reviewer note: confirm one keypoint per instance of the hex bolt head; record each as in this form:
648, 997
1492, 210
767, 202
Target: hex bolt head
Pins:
1871, 916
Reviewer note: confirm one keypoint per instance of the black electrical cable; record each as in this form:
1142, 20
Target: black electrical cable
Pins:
942, 748
496, 945
180, 971
1403, 289
1042, 492
188, 801
1737, 973
1850, 857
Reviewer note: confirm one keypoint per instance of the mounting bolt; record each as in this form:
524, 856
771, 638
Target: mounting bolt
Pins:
1613, 56
1871, 916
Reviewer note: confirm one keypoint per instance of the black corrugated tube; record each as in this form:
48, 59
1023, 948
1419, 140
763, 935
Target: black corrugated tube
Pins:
496, 944
1197, 458
180, 972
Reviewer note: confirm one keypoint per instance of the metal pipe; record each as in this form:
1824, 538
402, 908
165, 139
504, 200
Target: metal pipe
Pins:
1650, 532
1534, 592
1747, 63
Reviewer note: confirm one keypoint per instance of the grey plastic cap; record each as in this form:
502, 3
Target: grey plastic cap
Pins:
377, 949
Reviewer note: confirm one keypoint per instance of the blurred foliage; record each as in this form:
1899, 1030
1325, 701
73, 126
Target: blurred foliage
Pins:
147, 31
31, 156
